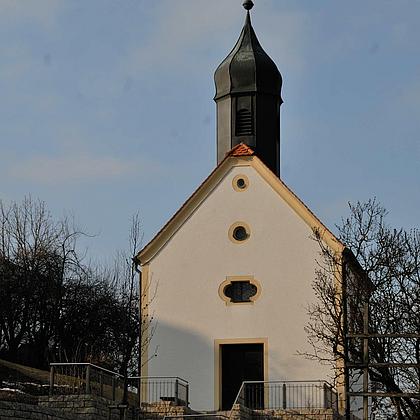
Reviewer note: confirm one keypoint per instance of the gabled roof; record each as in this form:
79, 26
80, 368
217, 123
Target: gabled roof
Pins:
239, 155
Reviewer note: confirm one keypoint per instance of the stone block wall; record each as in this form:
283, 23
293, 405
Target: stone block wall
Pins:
239, 412
16, 410
242, 413
89, 407
165, 408
85, 407
307, 414
78, 407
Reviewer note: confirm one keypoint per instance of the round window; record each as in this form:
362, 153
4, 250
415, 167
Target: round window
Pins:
240, 182
240, 233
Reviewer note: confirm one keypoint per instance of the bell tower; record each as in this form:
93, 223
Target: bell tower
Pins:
248, 99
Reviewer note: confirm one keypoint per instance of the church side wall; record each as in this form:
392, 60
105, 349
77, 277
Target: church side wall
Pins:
189, 313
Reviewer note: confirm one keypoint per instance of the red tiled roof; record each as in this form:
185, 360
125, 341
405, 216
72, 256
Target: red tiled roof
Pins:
240, 149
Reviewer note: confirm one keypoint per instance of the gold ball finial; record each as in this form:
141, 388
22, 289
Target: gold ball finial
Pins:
248, 4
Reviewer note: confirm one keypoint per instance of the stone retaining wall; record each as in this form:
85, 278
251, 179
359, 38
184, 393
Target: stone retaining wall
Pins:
242, 413
59, 407
165, 408
74, 407
239, 412
86, 407
17, 410
90, 407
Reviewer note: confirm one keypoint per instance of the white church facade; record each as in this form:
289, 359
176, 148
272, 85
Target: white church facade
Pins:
229, 278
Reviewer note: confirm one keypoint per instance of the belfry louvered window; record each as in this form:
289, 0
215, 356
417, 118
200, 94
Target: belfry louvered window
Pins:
244, 123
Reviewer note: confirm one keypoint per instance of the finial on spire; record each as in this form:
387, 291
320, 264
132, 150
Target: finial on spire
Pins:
248, 4
248, 98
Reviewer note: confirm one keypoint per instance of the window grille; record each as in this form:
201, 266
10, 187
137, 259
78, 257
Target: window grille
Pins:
240, 291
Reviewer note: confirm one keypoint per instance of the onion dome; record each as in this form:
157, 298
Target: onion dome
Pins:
248, 68
248, 99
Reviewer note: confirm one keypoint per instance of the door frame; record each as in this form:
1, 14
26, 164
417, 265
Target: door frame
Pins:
218, 362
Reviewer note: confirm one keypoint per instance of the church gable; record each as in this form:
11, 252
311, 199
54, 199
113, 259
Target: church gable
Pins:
220, 182
201, 259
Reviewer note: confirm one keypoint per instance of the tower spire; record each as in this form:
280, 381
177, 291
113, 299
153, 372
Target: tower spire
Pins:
248, 99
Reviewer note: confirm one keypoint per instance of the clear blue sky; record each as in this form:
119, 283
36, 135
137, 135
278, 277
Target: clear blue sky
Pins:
106, 106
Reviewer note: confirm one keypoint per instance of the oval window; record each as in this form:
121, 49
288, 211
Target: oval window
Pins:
240, 291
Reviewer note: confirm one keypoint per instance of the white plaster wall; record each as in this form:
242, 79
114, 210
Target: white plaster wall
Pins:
188, 271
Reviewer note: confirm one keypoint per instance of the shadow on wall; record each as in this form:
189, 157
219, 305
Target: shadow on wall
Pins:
176, 351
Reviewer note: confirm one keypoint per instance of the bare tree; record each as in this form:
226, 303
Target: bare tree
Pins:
390, 259
87, 320
131, 332
55, 307
37, 254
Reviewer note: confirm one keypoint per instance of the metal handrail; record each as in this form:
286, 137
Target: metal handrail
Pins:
155, 388
288, 382
275, 382
91, 375
115, 373
158, 377
88, 364
244, 383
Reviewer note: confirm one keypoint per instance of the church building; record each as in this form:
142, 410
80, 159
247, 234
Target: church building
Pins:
228, 279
